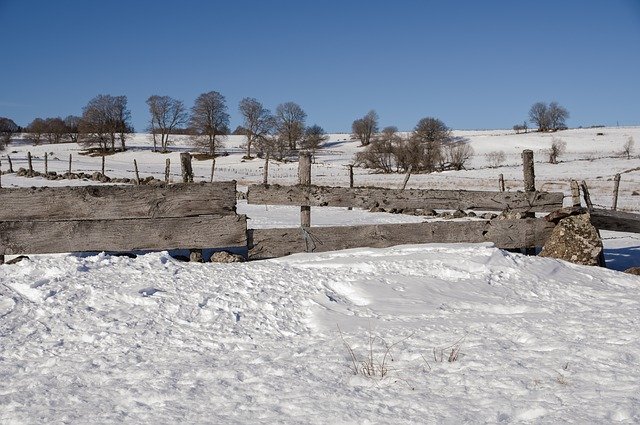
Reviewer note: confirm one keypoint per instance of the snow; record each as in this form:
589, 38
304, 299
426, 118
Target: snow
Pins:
95, 338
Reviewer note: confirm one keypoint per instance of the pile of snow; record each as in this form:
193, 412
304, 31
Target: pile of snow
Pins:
147, 340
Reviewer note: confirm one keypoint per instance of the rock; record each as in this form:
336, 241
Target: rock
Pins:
489, 216
471, 214
576, 240
510, 215
446, 215
226, 257
195, 256
558, 215
459, 214
376, 209
631, 270
17, 259
635, 193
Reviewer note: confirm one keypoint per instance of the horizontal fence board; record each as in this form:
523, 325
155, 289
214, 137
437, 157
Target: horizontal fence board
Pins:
45, 237
117, 202
615, 220
271, 243
365, 197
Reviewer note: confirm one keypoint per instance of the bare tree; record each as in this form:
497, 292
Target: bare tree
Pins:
54, 129
627, 148
378, 155
557, 116
458, 152
257, 122
538, 115
209, 118
104, 119
290, 119
430, 134
558, 147
71, 124
36, 130
364, 128
7, 129
314, 137
166, 115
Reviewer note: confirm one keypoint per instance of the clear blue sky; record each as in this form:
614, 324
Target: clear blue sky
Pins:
473, 64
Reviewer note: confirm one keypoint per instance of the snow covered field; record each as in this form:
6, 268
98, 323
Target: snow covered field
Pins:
104, 339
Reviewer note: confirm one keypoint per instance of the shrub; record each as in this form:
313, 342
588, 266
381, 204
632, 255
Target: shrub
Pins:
495, 158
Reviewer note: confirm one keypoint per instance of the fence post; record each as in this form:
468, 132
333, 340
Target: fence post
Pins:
616, 186
213, 168
501, 182
265, 172
350, 181
529, 185
575, 193
0, 174
102, 168
585, 193
529, 174
70, 159
406, 178
10, 164
304, 179
135, 167
46, 163
30, 163
187, 171
167, 170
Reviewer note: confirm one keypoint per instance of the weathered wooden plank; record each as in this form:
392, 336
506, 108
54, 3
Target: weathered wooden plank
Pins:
117, 202
271, 243
44, 237
365, 197
615, 220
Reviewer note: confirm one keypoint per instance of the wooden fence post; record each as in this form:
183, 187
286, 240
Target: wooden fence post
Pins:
529, 174
213, 168
10, 164
102, 168
187, 171
575, 193
0, 174
70, 159
304, 179
501, 182
46, 163
529, 185
167, 170
135, 167
30, 163
406, 178
585, 193
350, 180
616, 186
265, 171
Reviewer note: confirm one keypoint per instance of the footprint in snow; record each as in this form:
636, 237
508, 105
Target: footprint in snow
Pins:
147, 292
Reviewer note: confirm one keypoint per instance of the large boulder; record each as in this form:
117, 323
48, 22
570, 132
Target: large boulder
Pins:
576, 240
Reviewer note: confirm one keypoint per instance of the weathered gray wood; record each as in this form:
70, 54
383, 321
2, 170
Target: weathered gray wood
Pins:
615, 220
585, 193
135, 167
102, 167
46, 163
575, 193
167, 170
29, 162
43, 237
187, 171
528, 170
616, 186
10, 164
115, 202
70, 160
265, 171
406, 177
364, 197
304, 179
501, 183
213, 169
271, 243
0, 174
350, 180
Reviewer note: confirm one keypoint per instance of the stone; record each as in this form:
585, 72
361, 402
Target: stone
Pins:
510, 215
17, 259
633, 270
459, 214
226, 257
195, 256
576, 240
489, 216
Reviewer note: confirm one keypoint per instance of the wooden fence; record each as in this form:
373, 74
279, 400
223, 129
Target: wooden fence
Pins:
120, 218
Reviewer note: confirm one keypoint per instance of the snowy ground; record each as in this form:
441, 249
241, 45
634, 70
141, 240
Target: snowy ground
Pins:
98, 338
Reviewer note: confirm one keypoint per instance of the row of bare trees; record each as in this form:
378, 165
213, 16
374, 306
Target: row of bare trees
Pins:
276, 135
7, 129
429, 147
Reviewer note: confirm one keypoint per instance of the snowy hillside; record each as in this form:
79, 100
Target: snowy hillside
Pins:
96, 338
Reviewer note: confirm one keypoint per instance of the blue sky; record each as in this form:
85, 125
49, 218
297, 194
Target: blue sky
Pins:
474, 64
